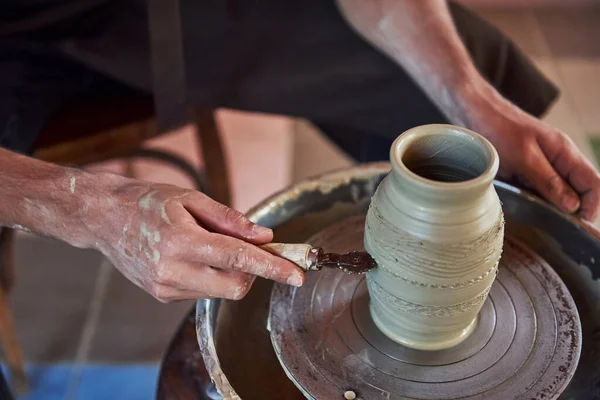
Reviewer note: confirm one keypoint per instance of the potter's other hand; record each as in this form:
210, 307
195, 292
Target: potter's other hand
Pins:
180, 244
536, 154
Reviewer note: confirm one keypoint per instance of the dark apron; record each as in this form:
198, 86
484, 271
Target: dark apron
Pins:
286, 57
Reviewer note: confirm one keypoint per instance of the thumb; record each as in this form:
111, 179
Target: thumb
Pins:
544, 178
219, 218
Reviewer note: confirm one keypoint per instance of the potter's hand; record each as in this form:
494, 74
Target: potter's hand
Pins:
421, 37
536, 154
180, 244
172, 242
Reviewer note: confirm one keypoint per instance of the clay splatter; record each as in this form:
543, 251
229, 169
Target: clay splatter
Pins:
147, 202
350, 395
72, 183
152, 238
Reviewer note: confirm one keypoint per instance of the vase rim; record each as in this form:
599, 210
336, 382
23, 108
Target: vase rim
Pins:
409, 137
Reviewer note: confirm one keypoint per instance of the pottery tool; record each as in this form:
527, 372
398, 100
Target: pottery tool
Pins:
526, 344
311, 258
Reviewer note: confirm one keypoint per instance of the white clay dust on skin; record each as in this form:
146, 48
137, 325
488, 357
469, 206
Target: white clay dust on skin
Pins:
349, 395
72, 183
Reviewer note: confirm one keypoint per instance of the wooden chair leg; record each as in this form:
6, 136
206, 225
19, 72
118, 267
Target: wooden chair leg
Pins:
10, 347
7, 263
214, 157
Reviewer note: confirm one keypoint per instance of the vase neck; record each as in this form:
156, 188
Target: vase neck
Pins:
435, 164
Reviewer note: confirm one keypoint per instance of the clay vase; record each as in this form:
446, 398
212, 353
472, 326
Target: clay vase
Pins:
435, 226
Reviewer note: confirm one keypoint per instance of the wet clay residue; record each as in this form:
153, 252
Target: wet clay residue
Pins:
568, 325
355, 262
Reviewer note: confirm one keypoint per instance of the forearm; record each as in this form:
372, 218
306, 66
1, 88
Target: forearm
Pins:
46, 199
421, 37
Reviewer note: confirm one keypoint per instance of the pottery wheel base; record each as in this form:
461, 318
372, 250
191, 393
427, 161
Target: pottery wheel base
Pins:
526, 343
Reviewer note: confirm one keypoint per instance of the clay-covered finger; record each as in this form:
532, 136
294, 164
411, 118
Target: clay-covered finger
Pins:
232, 254
590, 200
576, 170
584, 179
167, 294
546, 180
194, 281
219, 218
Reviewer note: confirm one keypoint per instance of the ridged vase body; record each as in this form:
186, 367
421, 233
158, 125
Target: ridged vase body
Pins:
435, 227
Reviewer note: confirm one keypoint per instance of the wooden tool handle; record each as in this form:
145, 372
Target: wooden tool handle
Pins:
298, 253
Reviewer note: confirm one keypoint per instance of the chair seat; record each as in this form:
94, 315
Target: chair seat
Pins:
90, 117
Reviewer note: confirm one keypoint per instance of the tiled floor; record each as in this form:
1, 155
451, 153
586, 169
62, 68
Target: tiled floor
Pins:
73, 308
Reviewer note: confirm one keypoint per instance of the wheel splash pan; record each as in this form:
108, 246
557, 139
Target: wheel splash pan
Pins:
233, 338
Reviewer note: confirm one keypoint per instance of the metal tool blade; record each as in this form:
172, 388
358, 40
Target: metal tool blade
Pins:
355, 262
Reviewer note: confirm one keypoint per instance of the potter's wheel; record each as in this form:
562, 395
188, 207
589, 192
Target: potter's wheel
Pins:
247, 366
526, 344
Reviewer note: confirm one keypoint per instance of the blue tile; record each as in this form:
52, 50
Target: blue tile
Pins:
119, 382
114, 382
47, 382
